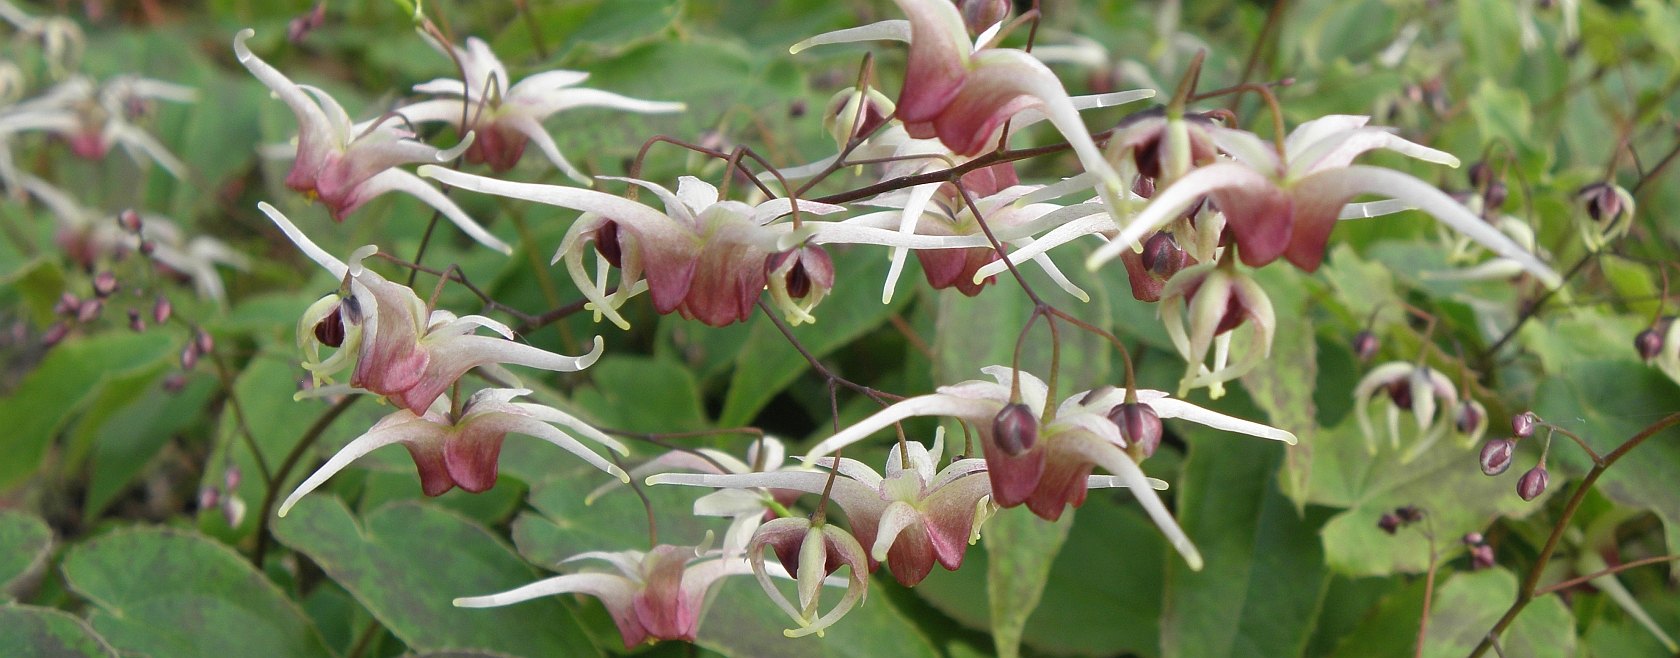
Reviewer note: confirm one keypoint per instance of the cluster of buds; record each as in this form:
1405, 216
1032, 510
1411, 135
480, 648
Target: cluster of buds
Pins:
1481, 554
1497, 454
1659, 345
1392, 521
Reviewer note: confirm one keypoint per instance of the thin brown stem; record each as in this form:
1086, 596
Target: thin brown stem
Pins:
1604, 572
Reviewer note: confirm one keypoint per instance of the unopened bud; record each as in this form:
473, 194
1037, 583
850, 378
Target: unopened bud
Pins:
55, 334
134, 321
1601, 200
1400, 392
1494, 197
1409, 514
1649, 343
1469, 418
1480, 174
231, 477
104, 284
1139, 425
233, 510
1496, 456
1523, 424
147, 248
1481, 557
129, 220
979, 15
67, 304
1144, 187
204, 342
162, 309
208, 497
1389, 523
1533, 483
1472, 538
1365, 345
189, 355
89, 310
1162, 256
1015, 429
174, 382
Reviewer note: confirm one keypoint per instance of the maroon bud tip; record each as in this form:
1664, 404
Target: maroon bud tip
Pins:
1400, 392
147, 247
1481, 557
1496, 456
208, 497
1649, 343
1144, 187
174, 382
104, 284
204, 342
1494, 197
89, 310
1015, 429
1468, 418
607, 244
189, 355
129, 220
797, 109
1389, 523
1533, 483
231, 478
1472, 538
978, 15
1523, 424
330, 330
67, 304
1409, 514
1480, 174
162, 309
1139, 425
1365, 345
134, 321
1162, 256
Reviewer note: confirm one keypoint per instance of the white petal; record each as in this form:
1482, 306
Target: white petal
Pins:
924, 405
914, 206
898, 516
536, 428
1174, 408
315, 253
1114, 482
607, 587
1111, 457
1082, 103
893, 30
412, 430
1168, 204
399, 180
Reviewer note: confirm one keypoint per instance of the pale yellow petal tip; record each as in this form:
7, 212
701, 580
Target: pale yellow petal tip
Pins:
1194, 559
1291, 440
461, 602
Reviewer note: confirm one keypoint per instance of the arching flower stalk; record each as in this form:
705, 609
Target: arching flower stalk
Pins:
401, 349
506, 115
345, 165
461, 447
1051, 471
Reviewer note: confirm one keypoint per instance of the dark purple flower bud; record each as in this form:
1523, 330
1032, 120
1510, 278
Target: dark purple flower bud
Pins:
1472, 538
174, 382
1389, 523
1469, 417
1480, 174
981, 14
301, 26
1523, 424
1649, 343
798, 108
608, 245
1144, 187
1481, 557
1365, 345
134, 321
1139, 425
1409, 514
189, 355
330, 330
162, 309
1602, 201
1533, 483
1494, 197
89, 310
67, 304
1400, 391
129, 220
205, 343
1162, 256
104, 284
1496, 455
1015, 429
147, 247
55, 334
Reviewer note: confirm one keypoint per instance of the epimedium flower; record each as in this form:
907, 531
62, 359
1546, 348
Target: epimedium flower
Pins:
401, 350
345, 165
460, 447
1410, 387
1286, 204
91, 118
1604, 213
704, 258
1201, 306
504, 115
1046, 464
917, 514
963, 93
661, 594
821, 549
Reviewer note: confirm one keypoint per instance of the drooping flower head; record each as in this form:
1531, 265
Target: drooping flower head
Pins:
1053, 471
1409, 387
1201, 306
1287, 204
91, 118
822, 548
746, 508
657, 595
703, 258
346, 165
505, 115
461, 447
401, 349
